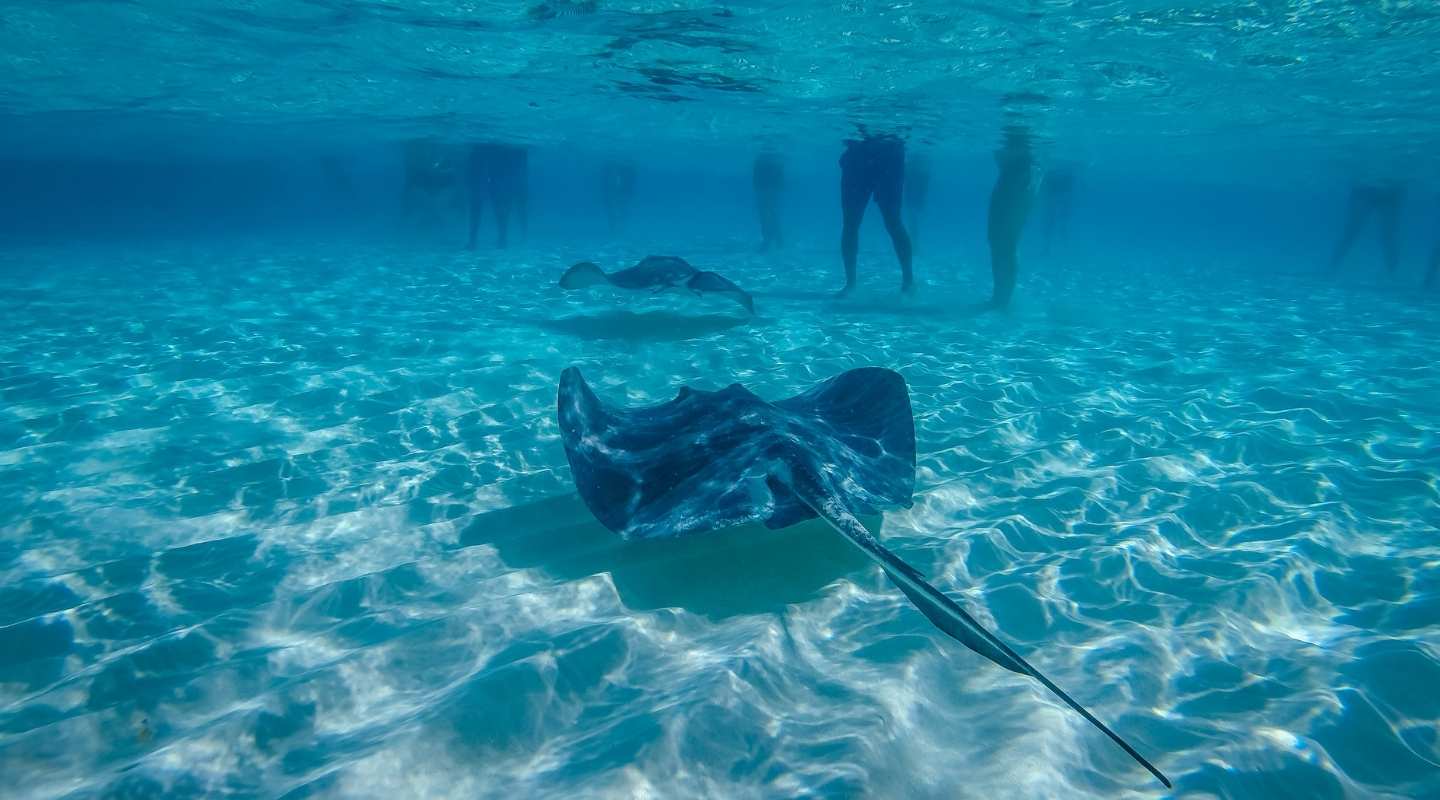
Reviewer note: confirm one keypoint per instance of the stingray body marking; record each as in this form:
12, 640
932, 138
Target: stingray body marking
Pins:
648, 472
709, 460
657, 273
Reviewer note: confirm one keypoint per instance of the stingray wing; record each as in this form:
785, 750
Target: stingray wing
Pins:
709, 460
654, 272
715, 283
695, 463
857, 432
582, 275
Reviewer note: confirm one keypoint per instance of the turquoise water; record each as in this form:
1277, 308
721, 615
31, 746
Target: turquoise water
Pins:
284, 510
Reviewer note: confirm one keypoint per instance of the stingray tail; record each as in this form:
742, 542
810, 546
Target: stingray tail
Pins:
945, 613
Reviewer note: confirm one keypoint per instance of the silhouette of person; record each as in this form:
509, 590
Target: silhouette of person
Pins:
1056, 191
1383, 200
502, 172
873, 166
617, 188
768, 177
1010, 203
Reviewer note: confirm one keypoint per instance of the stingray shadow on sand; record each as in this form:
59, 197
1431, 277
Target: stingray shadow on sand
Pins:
650, 326
763, 570
876, 304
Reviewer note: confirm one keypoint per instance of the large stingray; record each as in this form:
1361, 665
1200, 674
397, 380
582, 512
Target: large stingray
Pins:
710, 460
657, 273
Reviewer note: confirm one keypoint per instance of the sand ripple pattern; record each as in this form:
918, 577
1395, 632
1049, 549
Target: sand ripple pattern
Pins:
300, 525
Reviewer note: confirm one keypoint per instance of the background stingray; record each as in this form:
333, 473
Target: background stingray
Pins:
705, 461
657, 274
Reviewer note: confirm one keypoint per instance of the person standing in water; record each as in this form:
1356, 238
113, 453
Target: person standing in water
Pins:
917, 188
337, 175
1056, 189
1010, 203
500, 171
617, 187
873, 166
768, 176
1383, 199
1432, 277
510, 188
433, 176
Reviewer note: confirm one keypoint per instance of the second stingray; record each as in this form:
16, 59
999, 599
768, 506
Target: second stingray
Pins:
657, 274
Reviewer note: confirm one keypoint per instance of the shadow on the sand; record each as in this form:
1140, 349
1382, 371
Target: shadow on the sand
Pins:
744, 570
654, 326
802, 295
924, 304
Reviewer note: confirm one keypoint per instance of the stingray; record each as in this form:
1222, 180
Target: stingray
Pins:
658, 273
711, 460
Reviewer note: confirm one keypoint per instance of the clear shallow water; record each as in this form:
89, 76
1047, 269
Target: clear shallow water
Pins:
284, 511
297, 520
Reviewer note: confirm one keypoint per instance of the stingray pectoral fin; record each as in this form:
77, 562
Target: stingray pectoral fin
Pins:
946, 614
582, 275
715, 283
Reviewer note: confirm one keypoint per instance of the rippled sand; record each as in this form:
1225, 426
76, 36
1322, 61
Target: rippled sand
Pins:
299, 522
